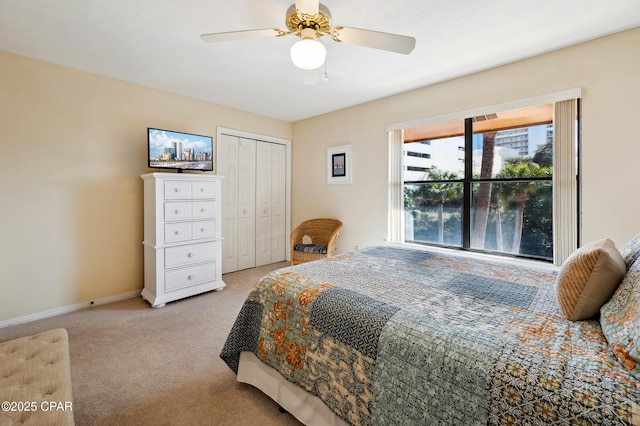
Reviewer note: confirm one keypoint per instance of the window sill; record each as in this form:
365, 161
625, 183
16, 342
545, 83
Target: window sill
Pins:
538, 264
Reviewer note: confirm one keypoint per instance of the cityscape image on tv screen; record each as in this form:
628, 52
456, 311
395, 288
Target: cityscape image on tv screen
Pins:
176, 150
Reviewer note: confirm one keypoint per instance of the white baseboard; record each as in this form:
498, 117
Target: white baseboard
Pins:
68, 308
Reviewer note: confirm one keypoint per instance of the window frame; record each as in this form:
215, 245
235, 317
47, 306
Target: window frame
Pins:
396, 182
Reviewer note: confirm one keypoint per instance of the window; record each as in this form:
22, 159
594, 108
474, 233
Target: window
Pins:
487, 184
418, 154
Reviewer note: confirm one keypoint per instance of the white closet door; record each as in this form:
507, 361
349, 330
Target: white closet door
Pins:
263, 204
246, 203
254, 202
279, 237
236, 162
271, 234
228, 167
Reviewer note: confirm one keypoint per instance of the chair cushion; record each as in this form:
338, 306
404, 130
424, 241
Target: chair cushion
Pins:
310, 248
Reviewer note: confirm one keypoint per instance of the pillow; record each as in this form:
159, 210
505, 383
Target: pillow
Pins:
619, 318
588, 278
630, 251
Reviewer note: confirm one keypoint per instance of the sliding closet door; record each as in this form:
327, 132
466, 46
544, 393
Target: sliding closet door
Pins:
263, 204
236, 162
279, 235
246, 203
228, 167
254, 202
270, 203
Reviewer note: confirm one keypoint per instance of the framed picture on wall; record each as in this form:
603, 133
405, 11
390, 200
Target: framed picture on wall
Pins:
339, 164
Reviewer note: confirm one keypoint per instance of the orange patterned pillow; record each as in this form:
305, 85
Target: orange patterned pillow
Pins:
588, 278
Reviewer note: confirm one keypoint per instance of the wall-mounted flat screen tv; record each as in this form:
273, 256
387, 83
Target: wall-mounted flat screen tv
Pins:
181, 151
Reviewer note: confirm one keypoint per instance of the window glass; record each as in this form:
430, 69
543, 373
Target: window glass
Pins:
518, 220
495, 150
433, 213
509, 185
434, 152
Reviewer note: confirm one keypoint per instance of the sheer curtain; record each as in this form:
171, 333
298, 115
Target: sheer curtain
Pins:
565, 180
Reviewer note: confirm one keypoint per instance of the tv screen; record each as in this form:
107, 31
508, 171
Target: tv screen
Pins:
181, 151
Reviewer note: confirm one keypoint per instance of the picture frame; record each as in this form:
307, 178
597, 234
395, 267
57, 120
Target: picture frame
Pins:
339, 165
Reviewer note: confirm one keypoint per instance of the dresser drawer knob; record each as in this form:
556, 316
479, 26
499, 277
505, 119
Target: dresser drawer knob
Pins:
176, 189
176, 232
202, 210
191, 277
176, 211
191, 255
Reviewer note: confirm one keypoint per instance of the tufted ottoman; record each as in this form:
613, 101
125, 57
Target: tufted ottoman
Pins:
35, 380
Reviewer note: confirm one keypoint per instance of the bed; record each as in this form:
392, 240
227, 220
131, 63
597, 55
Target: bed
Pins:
395, 336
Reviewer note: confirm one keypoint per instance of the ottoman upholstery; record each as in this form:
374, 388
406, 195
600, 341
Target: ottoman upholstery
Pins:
35, 380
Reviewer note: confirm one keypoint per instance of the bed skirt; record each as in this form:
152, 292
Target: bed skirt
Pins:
305, 407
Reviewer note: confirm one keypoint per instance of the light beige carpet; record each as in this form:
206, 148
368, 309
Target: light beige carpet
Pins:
134, 365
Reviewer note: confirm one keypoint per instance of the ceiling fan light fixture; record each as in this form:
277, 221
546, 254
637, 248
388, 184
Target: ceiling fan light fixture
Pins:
308, 53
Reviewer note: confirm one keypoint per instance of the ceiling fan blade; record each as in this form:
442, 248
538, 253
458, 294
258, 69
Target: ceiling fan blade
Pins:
241, 35
308, 7
374, 39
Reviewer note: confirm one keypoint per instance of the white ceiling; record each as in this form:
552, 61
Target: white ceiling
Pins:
156, 43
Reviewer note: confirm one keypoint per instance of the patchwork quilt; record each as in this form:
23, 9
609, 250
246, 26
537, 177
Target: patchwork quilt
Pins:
394, 336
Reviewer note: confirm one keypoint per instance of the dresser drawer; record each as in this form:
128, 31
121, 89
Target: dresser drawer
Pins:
203, 189
203, 229
177, 232
187, 277
203, 209
185, 255
177, 211
177, 189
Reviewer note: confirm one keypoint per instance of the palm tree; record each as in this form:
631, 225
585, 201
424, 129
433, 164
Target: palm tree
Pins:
484, 190
519, 192
438, 194
495, 207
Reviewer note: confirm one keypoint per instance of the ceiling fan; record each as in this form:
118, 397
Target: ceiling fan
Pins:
309, 20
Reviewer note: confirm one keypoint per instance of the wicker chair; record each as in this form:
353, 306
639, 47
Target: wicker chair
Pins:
322, 233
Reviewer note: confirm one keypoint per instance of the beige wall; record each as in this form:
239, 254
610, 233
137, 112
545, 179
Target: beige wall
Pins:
72, 147
607, 71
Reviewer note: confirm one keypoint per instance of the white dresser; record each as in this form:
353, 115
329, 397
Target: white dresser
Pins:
182, 236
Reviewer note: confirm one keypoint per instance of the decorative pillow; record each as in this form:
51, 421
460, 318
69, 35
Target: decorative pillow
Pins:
588, 278
630, 251
620, 320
